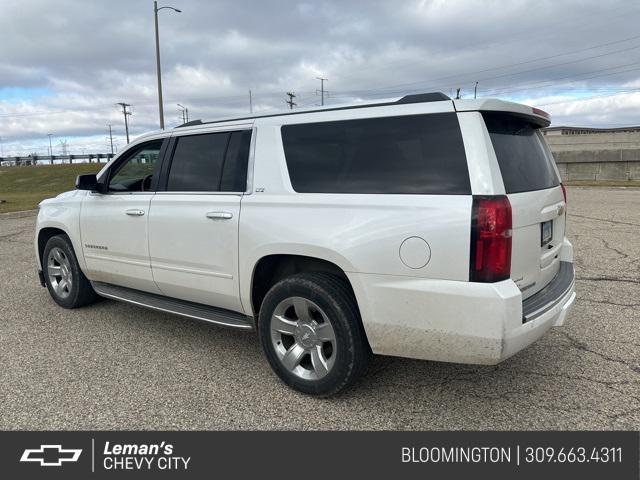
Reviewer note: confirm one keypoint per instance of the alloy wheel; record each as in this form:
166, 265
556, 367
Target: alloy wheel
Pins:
303, 338
59, 272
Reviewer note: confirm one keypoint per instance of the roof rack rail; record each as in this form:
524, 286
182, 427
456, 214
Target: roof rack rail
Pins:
415, 98
191, 123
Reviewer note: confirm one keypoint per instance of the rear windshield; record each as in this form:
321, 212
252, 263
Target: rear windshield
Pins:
414, 154
523, 160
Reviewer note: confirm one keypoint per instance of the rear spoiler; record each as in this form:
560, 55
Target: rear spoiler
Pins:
534, 115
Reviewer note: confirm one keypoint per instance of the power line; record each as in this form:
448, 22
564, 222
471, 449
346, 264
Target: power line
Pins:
537, 30
575, 78
433, 86
94, 108
588, 98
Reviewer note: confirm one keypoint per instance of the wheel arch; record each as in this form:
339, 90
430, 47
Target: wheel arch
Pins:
271, 268
44, 235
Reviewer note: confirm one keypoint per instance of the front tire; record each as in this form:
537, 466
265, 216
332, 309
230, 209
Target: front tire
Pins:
66, 283
311, 333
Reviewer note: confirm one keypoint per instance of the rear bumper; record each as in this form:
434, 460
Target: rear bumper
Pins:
450, 321
549, 296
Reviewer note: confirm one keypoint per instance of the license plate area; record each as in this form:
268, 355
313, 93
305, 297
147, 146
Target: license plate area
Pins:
546, 232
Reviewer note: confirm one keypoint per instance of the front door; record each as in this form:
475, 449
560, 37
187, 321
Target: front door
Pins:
193, 225
114, 224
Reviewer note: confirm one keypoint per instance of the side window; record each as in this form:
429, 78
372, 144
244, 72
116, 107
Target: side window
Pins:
135, 173
413, 154
234, 173
212, 162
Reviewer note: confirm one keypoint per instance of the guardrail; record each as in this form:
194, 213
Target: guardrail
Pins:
53, 159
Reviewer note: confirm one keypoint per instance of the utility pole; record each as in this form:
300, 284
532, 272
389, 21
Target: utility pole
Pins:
185, 113
50, 148
126, 113
322, 80
250, 103
475, 91
290, 102
111, 139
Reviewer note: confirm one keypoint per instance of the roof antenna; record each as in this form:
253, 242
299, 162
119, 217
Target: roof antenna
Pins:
458, 93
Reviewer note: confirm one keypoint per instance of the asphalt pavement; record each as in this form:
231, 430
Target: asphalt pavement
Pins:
117, 366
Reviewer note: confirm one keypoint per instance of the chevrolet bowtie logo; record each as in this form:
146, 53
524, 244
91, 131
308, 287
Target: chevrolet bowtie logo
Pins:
50, 455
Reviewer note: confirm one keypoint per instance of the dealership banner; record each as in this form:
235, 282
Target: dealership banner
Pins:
325, 455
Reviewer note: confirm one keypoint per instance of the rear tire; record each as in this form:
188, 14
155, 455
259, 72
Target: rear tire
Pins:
66, 283
312, 335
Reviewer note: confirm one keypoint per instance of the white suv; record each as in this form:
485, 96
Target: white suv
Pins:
420, 227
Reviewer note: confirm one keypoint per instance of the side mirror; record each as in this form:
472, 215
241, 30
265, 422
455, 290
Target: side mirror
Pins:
88, 182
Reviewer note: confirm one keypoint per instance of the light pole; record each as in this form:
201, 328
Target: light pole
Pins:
185, 113
155, 15
50, 147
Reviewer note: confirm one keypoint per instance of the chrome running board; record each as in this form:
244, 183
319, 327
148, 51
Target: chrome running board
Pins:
197, 311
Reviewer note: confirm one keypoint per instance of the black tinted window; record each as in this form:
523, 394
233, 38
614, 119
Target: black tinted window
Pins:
416, 154
210, 162
524, 163
234, 173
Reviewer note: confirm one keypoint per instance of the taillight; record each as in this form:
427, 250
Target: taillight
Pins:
490, 239
564, 194
541, 113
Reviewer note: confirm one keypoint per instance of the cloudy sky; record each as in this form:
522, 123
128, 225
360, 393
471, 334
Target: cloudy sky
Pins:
65, 63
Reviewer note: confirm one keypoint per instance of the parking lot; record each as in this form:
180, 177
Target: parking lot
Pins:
117, 366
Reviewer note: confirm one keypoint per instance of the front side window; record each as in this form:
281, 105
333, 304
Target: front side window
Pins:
413, 154
212, 162
135, 173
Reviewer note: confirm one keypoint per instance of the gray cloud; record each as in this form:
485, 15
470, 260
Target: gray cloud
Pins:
88, 55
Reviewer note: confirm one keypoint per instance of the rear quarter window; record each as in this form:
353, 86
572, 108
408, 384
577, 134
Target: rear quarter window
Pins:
414, 154
524, 162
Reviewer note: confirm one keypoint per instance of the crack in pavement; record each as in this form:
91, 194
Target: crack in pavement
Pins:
8, 236
613, 249
578, 345
606, 302
608, 279
615, 417
604, 220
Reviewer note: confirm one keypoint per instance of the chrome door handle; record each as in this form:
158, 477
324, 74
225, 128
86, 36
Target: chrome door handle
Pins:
219, 215
134, 212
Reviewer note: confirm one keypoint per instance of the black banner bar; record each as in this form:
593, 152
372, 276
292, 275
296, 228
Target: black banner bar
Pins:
325, 455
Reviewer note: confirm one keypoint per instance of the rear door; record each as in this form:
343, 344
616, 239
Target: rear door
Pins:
532, 184
193, 223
